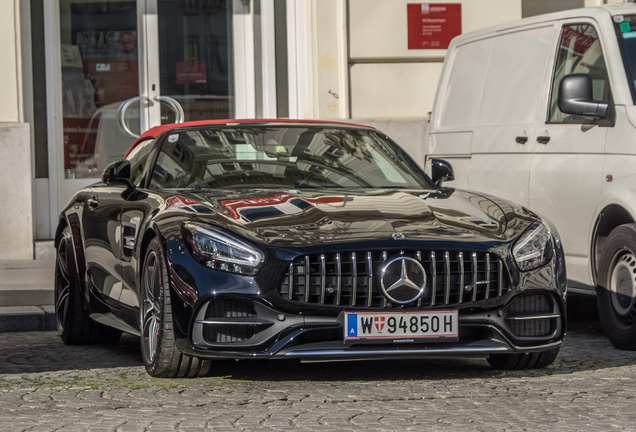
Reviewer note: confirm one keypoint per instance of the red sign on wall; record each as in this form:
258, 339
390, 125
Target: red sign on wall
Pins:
433, 25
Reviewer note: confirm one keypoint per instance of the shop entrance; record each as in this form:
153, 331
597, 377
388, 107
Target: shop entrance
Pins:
128, 65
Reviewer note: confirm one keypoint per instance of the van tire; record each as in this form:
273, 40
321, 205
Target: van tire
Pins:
616, 287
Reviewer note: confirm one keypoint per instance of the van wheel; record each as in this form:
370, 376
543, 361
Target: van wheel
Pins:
616, 287
532, 360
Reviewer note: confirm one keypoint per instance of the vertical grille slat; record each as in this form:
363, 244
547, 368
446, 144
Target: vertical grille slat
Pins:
418, 256
338, 278
352, 279
369, 279
323, 278
487, 261
384, 259
354, 276
460, 265
500, 270
433, 278
447, 277
475, 275
307, 277
290, 281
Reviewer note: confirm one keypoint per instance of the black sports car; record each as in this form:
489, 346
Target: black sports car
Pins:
307, 240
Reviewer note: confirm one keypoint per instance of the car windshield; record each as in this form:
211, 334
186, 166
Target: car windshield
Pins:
284, 156
625, 26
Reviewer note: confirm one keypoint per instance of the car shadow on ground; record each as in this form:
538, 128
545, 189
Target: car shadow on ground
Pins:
585, 348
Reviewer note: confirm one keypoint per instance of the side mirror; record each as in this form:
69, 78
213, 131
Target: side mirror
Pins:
575, 97
118, 172
441, 171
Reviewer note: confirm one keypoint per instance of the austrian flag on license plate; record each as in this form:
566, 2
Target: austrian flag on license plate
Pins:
441, 324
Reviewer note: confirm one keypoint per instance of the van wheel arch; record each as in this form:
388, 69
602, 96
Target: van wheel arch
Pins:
610, 218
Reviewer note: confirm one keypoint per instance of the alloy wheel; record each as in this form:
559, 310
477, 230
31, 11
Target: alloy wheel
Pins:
62, 284
151, 306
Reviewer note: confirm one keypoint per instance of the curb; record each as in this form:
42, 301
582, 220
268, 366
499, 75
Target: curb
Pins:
27, 318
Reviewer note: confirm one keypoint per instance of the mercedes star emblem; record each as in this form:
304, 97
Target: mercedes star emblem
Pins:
403, 280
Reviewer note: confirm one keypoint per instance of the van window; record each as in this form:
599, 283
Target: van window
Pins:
464, 89
626, 33
495, 80
516, 71
579, 52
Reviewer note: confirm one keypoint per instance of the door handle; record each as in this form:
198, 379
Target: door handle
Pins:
542, 139
92, 203
521, 139
121, 115
175, 106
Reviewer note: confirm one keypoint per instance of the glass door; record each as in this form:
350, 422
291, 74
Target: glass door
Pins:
128, 65
99, 69
194, 58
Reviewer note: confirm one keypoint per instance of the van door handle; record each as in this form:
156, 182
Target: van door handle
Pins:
521, 139
543, 139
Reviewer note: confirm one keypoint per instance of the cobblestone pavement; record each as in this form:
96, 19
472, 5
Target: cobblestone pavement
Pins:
47, 386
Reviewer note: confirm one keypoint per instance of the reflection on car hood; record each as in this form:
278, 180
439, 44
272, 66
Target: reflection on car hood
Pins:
303, 217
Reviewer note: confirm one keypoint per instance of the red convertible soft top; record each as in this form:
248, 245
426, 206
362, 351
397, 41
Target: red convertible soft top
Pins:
158, 130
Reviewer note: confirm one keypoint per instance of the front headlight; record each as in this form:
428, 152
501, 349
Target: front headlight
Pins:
222, 251
534, 247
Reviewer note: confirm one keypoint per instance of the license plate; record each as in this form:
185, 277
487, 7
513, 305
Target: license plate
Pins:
441, 324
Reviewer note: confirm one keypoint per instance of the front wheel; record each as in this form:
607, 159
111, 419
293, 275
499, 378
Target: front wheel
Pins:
159, 352
532, 360
616, 287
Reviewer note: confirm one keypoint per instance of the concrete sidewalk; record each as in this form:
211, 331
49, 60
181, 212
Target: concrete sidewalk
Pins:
26, 295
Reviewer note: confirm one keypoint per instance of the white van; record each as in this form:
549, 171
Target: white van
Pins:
542, 111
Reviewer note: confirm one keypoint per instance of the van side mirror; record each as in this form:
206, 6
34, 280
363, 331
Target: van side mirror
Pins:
575, 97
441, 171
118, 172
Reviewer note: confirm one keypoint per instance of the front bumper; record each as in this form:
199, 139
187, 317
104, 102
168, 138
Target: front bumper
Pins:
243, 327
295, 307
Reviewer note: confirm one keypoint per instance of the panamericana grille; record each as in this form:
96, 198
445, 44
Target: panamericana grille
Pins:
228, 321
352, 279
533, 316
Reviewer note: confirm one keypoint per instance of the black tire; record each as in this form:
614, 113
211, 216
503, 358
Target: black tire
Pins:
532, 360
616, 287
73, 324
160, 355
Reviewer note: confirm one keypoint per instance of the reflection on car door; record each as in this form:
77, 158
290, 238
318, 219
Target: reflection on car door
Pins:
102, 239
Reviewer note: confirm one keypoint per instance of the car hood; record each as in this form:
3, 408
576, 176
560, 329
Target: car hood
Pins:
304, 217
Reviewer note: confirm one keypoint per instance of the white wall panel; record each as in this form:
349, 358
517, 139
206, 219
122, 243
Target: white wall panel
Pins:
393, 89
378, 28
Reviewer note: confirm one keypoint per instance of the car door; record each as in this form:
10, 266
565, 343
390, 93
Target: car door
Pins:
568, 152
138, 205
102, 241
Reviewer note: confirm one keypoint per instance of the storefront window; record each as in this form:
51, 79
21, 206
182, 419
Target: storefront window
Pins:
101, 51
194, 52
99, 71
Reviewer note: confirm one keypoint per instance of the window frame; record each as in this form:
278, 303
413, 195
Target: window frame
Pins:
554, 85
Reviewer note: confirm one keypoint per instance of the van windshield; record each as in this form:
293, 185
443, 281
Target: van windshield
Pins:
625, 26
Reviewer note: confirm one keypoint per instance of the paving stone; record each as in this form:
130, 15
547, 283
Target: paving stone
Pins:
48, 386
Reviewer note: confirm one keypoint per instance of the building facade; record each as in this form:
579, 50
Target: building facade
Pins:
81, 78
